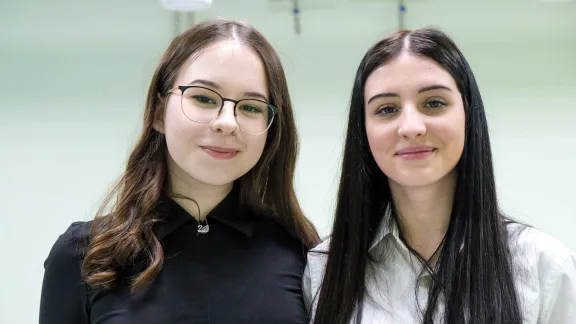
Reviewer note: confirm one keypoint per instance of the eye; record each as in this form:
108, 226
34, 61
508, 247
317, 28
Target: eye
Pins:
435, 103
204, 99
251, 109
386, 110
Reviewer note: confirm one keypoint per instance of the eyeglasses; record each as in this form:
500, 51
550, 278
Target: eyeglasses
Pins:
203, 105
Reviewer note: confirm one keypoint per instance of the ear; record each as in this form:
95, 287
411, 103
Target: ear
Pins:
160, 111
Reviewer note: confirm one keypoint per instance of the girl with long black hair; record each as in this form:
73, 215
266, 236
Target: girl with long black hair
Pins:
418, 235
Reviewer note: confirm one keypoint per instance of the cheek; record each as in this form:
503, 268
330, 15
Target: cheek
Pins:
381, 140
174, 120
255, 146
458, 126
181, 133
460, 138
452, 134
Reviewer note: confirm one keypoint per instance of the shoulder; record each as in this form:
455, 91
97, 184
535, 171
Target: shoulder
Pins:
69, 248
314, 271
546, 269
538, 247
322, 248
317, 257
541, 262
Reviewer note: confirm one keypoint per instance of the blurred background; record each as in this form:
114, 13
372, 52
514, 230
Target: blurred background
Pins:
74, 76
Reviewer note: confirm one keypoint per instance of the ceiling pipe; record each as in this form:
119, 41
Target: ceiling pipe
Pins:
296, 14
401, 14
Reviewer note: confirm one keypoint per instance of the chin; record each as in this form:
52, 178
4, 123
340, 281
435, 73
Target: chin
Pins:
410, 182
218, 181
414, 179
217, 176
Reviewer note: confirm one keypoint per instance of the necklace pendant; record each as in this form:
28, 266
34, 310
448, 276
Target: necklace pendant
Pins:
203, 229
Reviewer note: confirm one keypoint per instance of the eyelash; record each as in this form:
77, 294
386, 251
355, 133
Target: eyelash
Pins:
439, 103
442, 103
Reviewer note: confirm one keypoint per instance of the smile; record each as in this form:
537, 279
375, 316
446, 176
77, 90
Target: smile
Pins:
220, 152
415, 153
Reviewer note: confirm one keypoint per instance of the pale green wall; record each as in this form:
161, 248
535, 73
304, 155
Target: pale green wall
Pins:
74, 77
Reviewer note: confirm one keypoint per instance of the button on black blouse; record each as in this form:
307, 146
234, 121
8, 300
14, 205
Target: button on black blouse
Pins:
246, 269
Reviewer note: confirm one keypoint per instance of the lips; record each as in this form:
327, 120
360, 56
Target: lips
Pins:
220, 152
415, 150
220, 149
419, 153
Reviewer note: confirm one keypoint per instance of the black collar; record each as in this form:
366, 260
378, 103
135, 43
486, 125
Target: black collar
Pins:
229, 212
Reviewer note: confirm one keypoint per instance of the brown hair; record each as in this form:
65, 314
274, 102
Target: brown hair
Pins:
125, 236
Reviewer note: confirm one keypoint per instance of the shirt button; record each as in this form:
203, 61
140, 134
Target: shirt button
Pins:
426, 281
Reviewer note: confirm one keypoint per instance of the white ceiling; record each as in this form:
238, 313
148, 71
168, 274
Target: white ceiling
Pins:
136, 24
118, 40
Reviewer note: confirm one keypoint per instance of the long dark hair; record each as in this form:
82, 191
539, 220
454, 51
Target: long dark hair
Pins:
474, 272
126, 234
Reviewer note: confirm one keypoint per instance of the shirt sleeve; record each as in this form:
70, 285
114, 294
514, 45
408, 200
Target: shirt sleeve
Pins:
63, 296
307, 288
559, 293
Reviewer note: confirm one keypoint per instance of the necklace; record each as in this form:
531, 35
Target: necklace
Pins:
203, 227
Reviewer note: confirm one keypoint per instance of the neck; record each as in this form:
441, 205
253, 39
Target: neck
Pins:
197, 198
424, 213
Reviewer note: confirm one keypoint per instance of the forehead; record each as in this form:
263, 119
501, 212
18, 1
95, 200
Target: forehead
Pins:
406, 74
229, 63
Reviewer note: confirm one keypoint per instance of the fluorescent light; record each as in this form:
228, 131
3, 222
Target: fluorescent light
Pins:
186, 5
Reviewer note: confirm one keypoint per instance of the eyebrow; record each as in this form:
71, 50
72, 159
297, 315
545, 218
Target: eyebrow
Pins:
214, 85
425, 89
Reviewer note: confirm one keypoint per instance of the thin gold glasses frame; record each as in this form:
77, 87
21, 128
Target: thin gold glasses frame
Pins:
235, 102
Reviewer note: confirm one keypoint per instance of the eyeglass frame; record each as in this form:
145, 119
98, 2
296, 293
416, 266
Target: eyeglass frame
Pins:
183, 88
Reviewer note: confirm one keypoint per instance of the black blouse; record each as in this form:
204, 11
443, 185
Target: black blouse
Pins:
246, 269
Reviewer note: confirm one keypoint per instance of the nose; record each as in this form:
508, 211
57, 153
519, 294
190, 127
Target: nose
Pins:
225, 122
411, 123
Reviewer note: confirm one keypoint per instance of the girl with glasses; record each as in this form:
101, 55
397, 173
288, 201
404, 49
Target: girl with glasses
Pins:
204, 225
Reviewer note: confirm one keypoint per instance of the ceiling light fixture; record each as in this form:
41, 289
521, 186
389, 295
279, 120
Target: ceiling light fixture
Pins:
186, 5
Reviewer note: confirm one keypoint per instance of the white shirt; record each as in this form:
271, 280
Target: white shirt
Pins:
545, 279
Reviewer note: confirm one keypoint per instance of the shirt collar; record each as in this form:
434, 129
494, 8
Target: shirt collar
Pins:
229, 212
387, 227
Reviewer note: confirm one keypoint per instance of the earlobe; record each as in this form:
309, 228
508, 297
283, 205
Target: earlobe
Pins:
158, 123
